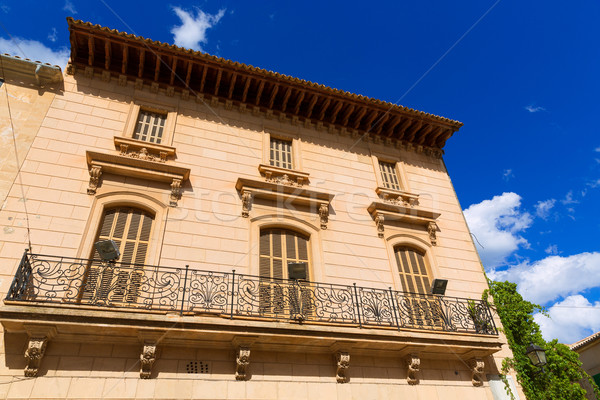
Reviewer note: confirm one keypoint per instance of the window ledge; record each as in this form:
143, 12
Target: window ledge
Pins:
283, 176
100, 163
382, 211
397, 197
283, 194
144, 150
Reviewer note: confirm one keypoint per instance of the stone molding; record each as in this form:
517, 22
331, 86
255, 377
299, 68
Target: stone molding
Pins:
397, 197
384, 212
283, 176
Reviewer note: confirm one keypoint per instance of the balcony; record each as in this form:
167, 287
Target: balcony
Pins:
93, 285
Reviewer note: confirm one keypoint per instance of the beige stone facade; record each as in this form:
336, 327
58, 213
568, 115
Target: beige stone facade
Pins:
214, 193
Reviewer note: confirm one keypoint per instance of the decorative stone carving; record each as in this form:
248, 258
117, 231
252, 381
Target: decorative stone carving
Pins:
139, 84
477, 365
154, 87
432, 230
380, 228
185, 94
89, 72
242, 361
122, 80
170, 91
414, 363
324, 215
95, 173
106, 76
228, 104
147, 359
36, 347
282, 180
342, 360
246, 203
175, 192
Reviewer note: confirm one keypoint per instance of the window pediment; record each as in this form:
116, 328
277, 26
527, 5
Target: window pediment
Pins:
383, 211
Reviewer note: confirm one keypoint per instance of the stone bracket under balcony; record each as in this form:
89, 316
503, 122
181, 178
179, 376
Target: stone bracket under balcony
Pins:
136, 167
384, 212
284, 195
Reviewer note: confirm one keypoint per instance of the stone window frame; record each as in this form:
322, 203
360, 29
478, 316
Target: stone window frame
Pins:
285, 136
144, 105
399, 168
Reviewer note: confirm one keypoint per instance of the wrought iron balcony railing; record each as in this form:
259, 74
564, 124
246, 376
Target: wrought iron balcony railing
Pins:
71, 281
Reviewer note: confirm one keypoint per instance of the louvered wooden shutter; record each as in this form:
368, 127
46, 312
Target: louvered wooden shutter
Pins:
281, 153
150, 126
389, 175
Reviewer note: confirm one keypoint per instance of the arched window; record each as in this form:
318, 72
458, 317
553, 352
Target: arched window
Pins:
284, 255
130, 229
413, 270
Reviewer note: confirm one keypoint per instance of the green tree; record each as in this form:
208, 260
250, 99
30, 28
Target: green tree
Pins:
562, 372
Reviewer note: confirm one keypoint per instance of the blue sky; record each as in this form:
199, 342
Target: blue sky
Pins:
522, 76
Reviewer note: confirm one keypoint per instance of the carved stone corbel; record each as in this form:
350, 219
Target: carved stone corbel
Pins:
170, 91
106, 76
139, 84
342, 360
324, 215
122, 80
95, 173
246, 203
414, 363
432, 230
154, 87
36, 348
242, 364
477, 365
89, 72
380, 228
175, 192
147, 359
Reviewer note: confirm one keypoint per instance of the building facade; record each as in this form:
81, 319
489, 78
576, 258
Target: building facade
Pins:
277, 239
589, 354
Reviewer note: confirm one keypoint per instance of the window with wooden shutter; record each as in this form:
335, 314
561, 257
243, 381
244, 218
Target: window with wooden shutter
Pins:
130, 229
150, 126
278, 248
389, 175
281, 153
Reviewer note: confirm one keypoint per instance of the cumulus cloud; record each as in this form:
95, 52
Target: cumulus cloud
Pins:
569, 199
570, 320
507, 174
542, 208
496, 224
52, 36
69, 7
552, 250
192, 31
35, 51
553, 277
533, 109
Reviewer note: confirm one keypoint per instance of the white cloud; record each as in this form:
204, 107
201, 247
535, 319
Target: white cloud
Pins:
507, 174
52, 36
553, 277
542, 208
570, 320
552, 250
597, 150
35, 51
569, 199
534, 109
496, 224
69, 7
5, 9
192, 31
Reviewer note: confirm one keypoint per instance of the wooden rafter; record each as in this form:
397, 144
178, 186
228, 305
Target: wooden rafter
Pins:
141, 66
90, 51
261, 87
188, 74
433, 136
157, 67
299, 102
218, 81
246, 87
311, 105
423, 133
324, 108
107, 54
410, 132
347, 114
273, 94
403, 126
232, 85
173, 69
203, 78
125, 60
286, 97
390, 128
336, 110
381, 122
73, 41
359, 117
370, 120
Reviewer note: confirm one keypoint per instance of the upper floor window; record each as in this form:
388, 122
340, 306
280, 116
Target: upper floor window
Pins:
389, 175
150, 126
413, 270
281, 153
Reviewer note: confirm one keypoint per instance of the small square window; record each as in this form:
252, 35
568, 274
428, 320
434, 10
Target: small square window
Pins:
280, 153
389, 175
150, 126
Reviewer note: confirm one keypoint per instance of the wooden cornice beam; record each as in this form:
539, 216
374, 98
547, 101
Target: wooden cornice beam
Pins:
370, 120
336, 110
141, 66
203, 78
107, 54
157, 68
286, 97
381, 122
261, 87
423, 133
232, 85
359, 117
324, 108
390, 128
73, 41
188, 74
218, 82
410, 132
347, 114
173, 69
433, 136
299, 102
125, 59
246, 87
311, 105
403, 126
441, 141
273, 94
90, 51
